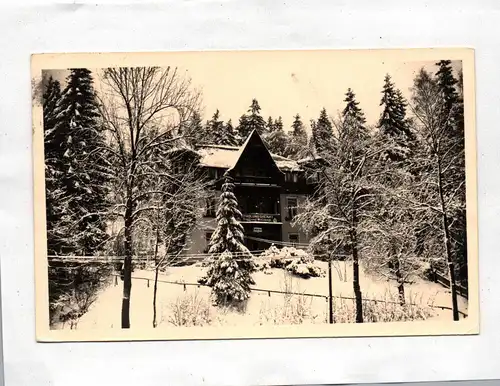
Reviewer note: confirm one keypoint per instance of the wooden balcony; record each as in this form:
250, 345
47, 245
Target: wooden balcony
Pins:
261, 218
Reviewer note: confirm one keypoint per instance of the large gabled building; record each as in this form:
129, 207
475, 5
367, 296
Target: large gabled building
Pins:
269, 189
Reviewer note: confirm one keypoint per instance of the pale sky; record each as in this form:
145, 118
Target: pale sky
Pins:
287, 83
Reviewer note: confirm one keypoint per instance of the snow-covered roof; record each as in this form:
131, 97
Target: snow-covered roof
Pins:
218, 156
286, 164
225, 157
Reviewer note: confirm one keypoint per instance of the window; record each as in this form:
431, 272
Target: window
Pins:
293, 238
291, 177
210, 207
292, 208
213, 173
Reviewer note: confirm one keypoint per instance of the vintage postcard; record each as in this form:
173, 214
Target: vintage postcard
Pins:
255, 194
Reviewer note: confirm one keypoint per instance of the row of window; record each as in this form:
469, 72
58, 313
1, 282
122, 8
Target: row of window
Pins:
291, 205
311, 178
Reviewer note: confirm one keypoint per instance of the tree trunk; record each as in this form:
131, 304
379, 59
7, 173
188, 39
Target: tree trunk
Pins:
157, 269
447, 242
400, 281
355, 284
127, 267
330, 291
154, 296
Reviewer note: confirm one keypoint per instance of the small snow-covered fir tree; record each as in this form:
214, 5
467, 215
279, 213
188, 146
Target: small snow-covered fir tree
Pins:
229, 273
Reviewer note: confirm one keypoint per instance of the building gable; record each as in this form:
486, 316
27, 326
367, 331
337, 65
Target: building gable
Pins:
255, 160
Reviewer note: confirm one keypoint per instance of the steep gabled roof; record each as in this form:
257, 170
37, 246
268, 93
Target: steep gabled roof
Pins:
225, 157
254, 137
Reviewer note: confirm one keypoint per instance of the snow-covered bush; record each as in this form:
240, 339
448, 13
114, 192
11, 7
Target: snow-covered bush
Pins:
295, 261
296, 308
386, 309
190, 310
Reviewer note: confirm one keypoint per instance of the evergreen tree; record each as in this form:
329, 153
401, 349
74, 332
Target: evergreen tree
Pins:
297, 142
219, 133
270, 124
83, 180
322, 134
393, 125
232, 135
278, 124
229, 273
395, 226
354, 117
276, 140
451, 90
195, 132
53, 149
251, 121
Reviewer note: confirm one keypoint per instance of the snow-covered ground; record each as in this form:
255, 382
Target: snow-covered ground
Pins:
175, 303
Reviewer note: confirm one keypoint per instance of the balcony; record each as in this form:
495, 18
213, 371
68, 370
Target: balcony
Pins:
261, 218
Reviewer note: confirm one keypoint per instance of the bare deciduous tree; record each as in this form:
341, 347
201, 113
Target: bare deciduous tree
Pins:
143, 109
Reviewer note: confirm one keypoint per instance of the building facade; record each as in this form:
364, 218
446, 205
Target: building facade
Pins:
269, 189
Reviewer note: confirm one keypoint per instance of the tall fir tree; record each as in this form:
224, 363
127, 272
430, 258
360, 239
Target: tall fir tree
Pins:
297, 140
393, 124
451, 89
277, 139
354, 115
322, 134
83, 178
53, 151
229, 273
395, 255
251, 121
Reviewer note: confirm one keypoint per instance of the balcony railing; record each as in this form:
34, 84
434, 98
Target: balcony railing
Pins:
261, 217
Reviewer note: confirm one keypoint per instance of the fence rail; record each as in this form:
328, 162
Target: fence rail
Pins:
269, 292
444, 281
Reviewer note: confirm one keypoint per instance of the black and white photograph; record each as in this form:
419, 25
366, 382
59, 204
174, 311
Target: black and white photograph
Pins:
190, 195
